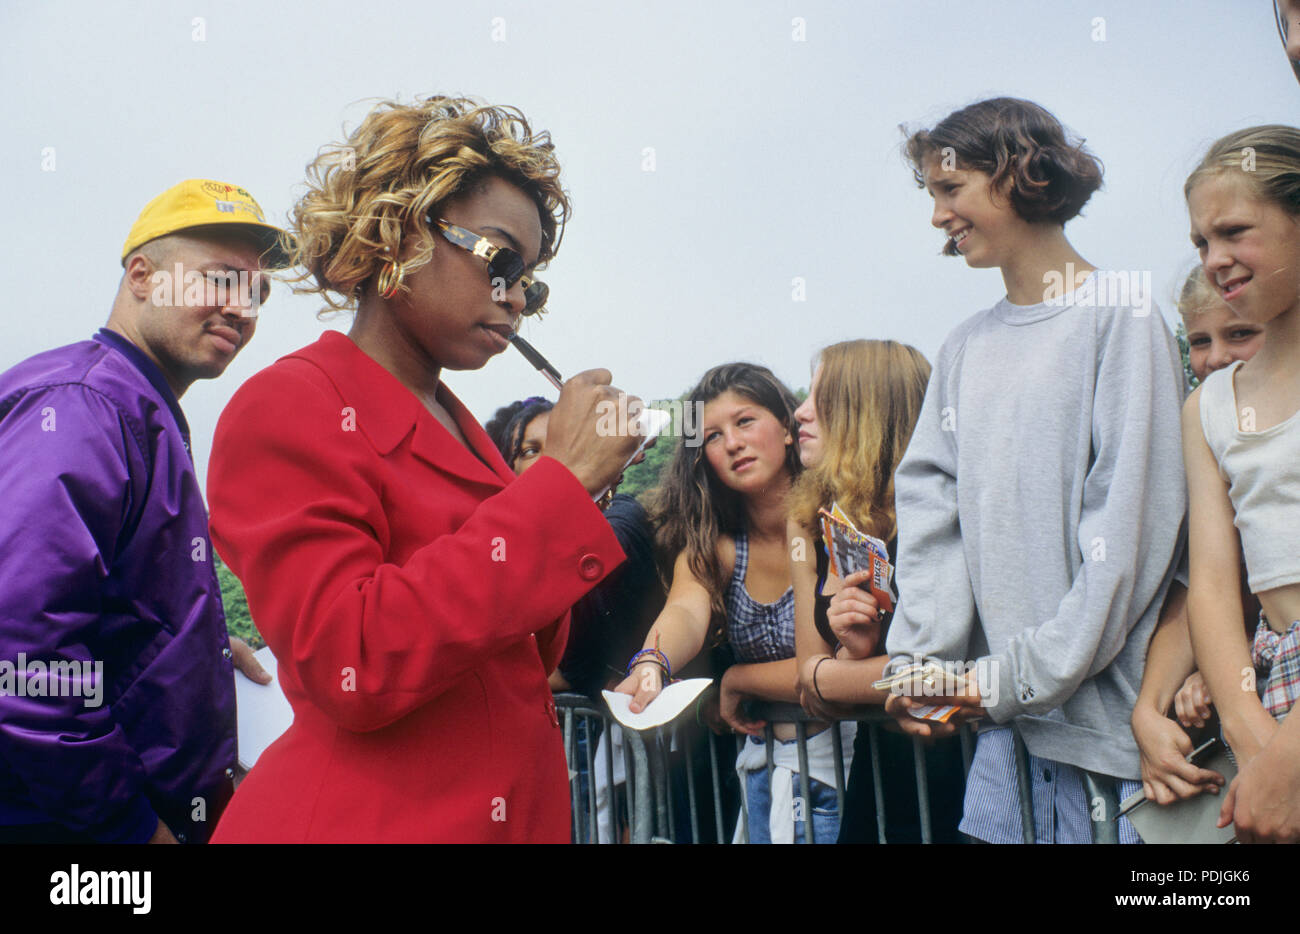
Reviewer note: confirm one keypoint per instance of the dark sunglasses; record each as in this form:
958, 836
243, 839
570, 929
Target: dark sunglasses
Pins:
504, 265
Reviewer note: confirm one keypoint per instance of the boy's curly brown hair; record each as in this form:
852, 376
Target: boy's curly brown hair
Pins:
1024, 150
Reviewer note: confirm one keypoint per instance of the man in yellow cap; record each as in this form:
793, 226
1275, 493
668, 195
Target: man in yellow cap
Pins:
117, 710
193, 281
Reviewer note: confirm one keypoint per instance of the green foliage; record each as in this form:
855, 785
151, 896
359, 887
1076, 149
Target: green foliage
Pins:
1184, 350
239, 622
640, 479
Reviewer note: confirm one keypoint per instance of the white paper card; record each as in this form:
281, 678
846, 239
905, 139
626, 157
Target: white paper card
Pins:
263, 712
671, 701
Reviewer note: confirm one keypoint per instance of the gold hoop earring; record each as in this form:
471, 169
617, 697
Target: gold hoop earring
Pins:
390, 278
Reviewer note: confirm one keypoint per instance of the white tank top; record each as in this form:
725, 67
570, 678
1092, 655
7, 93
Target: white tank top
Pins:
1262, 469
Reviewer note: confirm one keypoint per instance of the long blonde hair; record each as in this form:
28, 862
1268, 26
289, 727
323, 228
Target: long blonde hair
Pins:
868, 399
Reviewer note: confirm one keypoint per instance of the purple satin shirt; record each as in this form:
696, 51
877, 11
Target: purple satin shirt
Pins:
117, 698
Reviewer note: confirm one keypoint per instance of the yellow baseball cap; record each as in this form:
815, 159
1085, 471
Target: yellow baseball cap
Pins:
202, 202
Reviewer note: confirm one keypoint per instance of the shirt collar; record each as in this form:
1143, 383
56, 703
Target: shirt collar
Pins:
150, 371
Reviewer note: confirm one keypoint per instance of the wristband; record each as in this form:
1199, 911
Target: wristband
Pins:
659, 658
816, 689
663, 672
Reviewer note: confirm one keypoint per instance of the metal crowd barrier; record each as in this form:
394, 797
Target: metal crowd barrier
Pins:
626, 808
659, 799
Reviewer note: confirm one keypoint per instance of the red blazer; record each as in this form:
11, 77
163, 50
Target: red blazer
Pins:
415, 600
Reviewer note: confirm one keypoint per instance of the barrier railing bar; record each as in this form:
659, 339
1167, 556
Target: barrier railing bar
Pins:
593, 813
637, 770
922, 789
837, 746
665, 752
805, 787
690, 785
571, 753
873, 732
615, 813
1025, 788
1100, 791
653, 747
717, 787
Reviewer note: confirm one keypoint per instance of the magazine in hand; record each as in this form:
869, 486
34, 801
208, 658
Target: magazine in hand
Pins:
851, 549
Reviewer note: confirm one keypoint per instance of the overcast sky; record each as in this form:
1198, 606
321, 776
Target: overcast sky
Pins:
772, 127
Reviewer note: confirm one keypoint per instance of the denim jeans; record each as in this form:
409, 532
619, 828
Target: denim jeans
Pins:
824, 809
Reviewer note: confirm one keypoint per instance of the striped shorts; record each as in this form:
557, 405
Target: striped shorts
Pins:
1061, 808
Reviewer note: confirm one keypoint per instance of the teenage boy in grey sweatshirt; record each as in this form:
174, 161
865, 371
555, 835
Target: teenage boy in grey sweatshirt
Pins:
1040, 505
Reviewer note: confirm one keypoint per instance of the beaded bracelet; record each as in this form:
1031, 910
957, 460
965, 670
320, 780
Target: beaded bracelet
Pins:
663, 672
658, 658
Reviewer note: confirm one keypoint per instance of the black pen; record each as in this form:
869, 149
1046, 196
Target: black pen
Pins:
536, 359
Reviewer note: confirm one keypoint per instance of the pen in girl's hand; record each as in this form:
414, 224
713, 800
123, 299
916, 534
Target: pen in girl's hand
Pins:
536, 359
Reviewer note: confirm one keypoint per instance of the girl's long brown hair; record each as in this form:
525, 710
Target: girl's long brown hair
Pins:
691, 508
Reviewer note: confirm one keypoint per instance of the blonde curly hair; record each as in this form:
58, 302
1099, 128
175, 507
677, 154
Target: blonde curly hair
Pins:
403, 162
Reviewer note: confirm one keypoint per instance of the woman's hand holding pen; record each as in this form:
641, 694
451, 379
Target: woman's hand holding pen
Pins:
575, 435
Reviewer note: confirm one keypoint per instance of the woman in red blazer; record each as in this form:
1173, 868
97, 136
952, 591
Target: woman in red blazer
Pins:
414, 592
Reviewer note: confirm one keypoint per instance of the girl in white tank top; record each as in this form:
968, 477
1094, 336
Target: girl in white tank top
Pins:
1241, 447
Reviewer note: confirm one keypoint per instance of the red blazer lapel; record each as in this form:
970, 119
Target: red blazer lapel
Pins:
378, 405
435, 444
474, 434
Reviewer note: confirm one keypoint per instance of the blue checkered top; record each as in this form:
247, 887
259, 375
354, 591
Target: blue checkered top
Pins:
758, 632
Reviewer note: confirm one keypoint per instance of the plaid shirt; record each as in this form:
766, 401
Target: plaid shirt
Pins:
1279, 655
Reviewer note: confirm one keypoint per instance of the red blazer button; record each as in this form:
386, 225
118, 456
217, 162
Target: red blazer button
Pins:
591, 568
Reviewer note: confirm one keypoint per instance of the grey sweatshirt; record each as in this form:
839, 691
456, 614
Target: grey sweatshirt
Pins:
1040, 506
